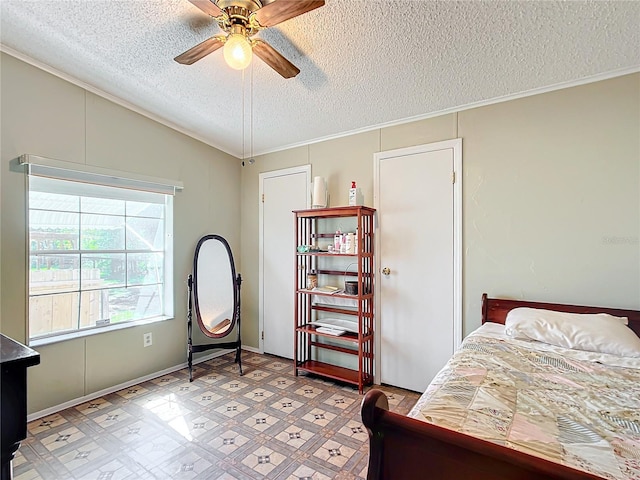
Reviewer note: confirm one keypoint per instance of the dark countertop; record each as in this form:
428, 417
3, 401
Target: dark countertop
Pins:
12, 352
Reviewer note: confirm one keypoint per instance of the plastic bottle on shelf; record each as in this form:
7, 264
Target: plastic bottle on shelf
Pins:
337, 240
353, 195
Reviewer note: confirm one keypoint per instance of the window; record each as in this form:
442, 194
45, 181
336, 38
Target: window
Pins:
99, 256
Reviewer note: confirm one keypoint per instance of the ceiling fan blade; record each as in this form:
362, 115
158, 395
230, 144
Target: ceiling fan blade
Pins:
208, 7
279, 11
272, 58
200, 51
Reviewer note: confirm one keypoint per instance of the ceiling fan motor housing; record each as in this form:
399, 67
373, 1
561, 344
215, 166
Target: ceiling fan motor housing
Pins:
250, 5
236, 18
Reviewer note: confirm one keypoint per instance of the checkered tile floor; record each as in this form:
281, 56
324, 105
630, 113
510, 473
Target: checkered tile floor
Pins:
267, 424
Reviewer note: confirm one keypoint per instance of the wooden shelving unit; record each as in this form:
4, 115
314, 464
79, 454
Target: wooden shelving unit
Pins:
312, 306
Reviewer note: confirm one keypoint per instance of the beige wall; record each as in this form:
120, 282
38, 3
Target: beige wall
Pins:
44, 115
551, 205
551, 195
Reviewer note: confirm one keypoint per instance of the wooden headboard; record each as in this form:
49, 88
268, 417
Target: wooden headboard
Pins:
495, 310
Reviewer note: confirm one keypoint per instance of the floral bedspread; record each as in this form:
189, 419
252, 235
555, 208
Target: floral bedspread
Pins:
546, 401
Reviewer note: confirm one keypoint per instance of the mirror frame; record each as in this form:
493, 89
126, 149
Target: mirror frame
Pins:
234, 285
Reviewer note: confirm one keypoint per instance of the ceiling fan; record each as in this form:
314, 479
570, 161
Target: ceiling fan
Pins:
241, 20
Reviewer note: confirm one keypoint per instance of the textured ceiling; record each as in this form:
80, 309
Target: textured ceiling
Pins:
363, 63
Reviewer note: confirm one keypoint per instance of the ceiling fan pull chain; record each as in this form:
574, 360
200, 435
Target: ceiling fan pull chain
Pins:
243, 112
251, 118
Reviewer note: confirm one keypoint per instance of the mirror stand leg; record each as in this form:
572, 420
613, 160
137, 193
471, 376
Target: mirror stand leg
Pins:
238, 316
189, 327
239, 359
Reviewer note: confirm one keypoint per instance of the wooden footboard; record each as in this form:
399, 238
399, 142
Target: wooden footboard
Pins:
405, 448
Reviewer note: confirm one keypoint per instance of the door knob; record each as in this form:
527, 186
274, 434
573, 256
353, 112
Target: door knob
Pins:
386, 271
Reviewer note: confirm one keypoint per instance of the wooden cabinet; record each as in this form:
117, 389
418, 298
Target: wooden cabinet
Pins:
347, 357
15, 358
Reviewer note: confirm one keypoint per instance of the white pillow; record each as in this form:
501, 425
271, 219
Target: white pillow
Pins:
599, 332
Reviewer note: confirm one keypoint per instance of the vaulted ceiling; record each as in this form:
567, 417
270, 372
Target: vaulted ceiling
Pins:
363, 63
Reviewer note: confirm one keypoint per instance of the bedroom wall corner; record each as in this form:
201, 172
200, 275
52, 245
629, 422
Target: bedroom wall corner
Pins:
340, 161
45, 115
250, 206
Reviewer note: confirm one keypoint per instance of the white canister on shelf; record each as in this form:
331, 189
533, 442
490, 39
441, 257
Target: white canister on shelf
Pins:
350, 243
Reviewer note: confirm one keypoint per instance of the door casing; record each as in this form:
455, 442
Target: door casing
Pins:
456, 146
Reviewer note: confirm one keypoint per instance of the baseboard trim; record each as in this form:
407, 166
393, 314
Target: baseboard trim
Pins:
87, 398
251, 349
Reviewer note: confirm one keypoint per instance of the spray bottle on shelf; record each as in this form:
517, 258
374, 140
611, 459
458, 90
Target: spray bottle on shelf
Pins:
353, 195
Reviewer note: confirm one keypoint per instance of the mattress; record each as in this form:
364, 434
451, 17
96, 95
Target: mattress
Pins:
577, 408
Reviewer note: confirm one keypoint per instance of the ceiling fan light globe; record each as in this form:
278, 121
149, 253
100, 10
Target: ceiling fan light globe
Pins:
237, 51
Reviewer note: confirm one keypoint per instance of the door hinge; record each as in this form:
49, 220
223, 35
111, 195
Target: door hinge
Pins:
263, 198
263, 335
453, 179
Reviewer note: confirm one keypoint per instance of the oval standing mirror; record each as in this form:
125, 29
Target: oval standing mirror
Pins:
214, 290
214, 286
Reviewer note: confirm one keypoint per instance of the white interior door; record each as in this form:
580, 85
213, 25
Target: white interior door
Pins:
418, 328
281, 192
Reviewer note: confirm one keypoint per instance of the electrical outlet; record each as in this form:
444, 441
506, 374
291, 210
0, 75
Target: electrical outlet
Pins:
147, 339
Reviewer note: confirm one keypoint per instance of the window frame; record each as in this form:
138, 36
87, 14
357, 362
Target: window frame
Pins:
54, 169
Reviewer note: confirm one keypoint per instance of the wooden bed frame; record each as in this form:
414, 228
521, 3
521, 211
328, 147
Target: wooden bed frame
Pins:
405, 448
